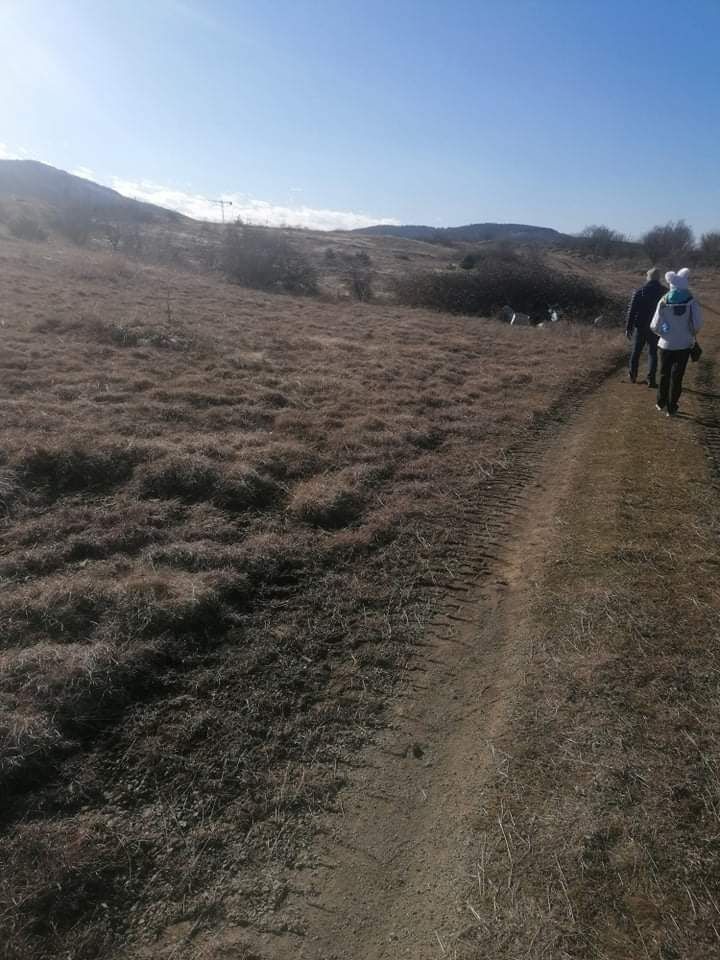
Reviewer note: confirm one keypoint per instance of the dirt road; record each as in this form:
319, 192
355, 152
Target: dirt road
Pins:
515, 805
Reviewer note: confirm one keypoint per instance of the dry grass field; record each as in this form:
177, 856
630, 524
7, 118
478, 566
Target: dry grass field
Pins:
224, 515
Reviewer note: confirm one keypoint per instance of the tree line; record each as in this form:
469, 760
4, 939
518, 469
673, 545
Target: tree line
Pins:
665, 243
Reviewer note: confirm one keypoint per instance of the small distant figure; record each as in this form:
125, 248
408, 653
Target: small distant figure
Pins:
676, 322
639, 315
554, 313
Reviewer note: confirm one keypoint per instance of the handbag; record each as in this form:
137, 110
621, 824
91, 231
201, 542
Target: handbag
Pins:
695, 349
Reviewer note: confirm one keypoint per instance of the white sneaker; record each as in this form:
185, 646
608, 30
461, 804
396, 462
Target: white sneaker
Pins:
658, 407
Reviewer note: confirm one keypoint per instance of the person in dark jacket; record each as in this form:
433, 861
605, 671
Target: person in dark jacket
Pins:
639, 316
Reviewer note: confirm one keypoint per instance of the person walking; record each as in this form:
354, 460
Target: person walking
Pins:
640, 313
676, 322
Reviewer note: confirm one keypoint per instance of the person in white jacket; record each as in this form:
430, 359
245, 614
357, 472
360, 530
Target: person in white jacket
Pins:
676, 322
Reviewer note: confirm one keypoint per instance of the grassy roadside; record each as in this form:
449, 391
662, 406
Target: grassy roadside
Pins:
600, 833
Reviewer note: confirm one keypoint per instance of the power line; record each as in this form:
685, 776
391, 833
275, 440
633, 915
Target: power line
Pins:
223, 204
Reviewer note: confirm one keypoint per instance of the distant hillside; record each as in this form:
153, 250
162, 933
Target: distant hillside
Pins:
31, 180
470, 233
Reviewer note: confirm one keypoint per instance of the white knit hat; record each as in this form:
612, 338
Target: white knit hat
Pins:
678, 280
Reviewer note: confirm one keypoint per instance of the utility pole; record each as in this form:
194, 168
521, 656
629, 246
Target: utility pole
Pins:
223, 204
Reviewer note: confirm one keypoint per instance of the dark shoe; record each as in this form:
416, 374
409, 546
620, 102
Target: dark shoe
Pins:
633, 378
673, 412
651, 384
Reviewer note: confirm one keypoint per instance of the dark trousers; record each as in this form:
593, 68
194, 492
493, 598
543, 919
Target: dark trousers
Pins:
641, 338
672, 371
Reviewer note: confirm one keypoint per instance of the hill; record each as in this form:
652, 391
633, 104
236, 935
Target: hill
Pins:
469, 233
31, 180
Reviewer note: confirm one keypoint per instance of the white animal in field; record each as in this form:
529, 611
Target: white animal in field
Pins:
520, 320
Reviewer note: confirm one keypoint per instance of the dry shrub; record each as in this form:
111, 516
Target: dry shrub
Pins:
328, 501
359, 277
25, 228
262, 257
602, 243
525, 282
710, 248
670, 242
75, 221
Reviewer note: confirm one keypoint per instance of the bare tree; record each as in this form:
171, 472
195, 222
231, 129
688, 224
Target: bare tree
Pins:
669, 242
358, 276
602, 241
710, 247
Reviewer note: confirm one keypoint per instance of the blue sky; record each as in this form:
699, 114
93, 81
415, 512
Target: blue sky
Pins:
342, 112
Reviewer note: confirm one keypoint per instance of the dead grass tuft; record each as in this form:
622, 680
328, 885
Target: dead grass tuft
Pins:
246, 490
194, 480
63, 470
289, 461
9, 491
187, 478
73, 866
328, 501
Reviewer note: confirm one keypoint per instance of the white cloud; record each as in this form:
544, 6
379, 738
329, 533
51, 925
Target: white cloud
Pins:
7, 154
240, 205
85, 172
245, 207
